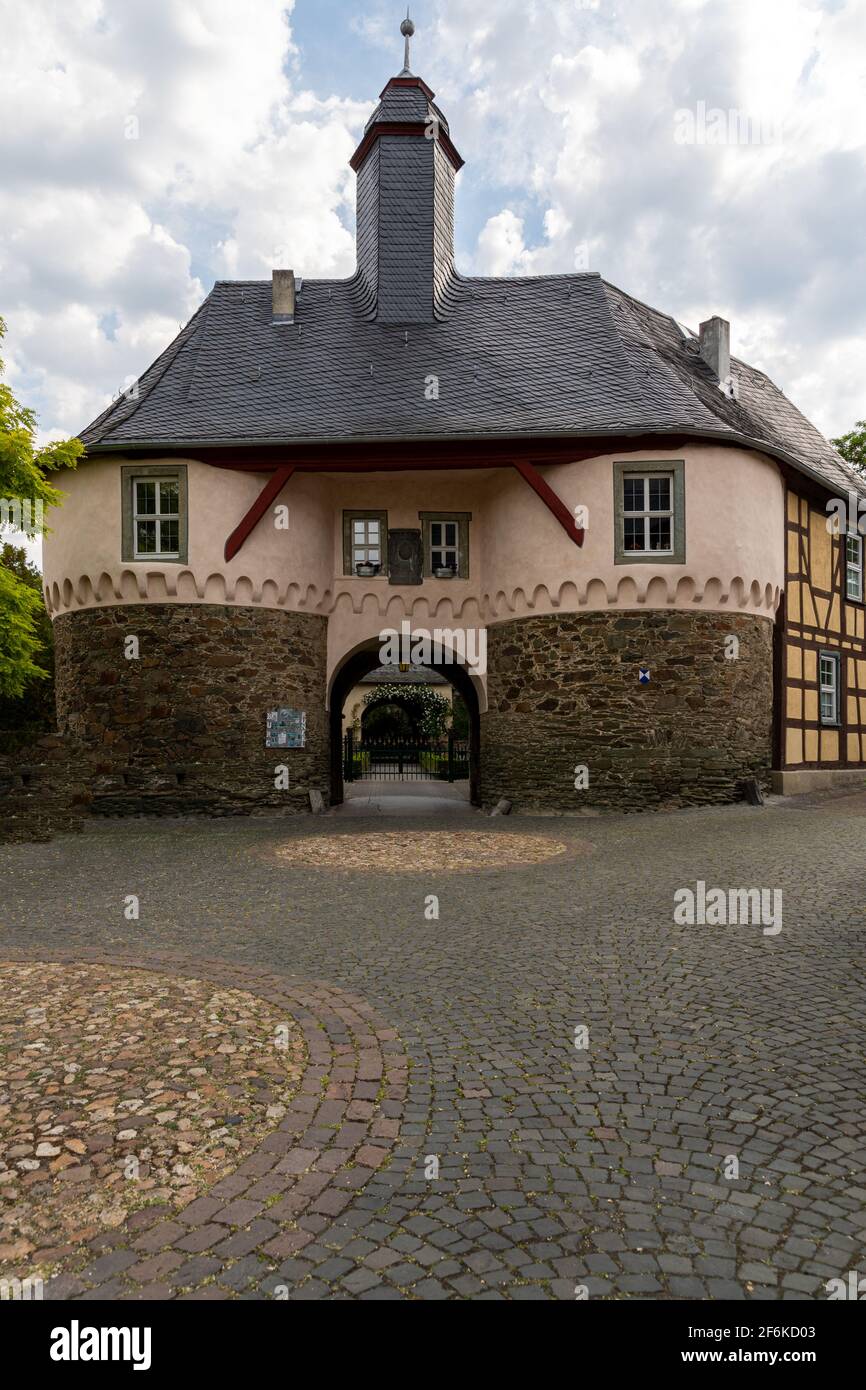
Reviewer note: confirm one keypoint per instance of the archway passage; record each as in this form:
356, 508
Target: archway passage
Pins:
388, 717
353, 670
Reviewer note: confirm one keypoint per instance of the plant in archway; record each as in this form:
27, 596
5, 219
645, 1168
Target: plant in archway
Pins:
387, 719
428, 710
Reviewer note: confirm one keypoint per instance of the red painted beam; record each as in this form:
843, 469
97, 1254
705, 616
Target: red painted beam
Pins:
268, 495
551, 501
281, 475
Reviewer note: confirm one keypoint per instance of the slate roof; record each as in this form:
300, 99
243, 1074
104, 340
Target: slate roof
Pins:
548, 355
555, 355
406, 103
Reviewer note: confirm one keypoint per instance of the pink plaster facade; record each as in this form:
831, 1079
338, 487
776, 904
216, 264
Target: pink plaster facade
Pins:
521, 562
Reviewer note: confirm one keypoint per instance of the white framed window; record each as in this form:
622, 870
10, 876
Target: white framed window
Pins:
445, 545
828, 680
156, 518
854, 567
154, 512
446, 542
648, 513
366, 542
649, 510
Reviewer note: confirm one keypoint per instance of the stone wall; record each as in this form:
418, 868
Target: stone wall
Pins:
43, 787
181, 729
563, 691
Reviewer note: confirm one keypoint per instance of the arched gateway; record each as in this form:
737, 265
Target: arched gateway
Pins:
355, 666
634, 520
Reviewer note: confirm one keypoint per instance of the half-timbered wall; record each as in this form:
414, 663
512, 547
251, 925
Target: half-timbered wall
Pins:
819, 617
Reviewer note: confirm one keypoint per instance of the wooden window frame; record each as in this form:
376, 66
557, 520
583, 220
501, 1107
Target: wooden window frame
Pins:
360, 514
462, 520
675, 469
153, 472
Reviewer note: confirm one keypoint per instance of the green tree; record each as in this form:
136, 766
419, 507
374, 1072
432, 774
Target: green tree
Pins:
33, 710
25, 492
428, 709
852, 446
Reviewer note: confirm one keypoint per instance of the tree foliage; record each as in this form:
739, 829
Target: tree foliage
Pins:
33, 708
852, 446
429, 710
25, 491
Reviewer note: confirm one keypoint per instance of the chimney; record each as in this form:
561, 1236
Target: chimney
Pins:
715, 341
283, 296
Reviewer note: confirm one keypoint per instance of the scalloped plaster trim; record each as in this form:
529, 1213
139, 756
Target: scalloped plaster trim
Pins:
182, 586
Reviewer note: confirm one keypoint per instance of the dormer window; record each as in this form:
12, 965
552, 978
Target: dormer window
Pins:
649, 506
154, 513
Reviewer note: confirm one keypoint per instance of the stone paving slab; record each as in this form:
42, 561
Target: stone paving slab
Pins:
603, 1169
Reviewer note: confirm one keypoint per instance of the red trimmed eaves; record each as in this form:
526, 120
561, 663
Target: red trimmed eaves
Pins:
415, 128
408, 82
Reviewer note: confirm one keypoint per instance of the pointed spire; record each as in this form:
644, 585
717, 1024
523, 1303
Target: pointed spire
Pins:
407, 29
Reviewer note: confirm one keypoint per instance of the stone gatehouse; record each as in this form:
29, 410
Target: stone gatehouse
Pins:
636, 521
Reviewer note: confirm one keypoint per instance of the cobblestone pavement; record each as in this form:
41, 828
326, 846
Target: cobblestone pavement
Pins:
125, 1088
455, 1038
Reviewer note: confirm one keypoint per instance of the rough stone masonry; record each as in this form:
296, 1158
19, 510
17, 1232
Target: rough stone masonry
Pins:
182, 727
564, 691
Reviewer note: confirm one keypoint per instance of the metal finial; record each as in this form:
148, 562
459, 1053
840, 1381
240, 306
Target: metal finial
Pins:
407, 29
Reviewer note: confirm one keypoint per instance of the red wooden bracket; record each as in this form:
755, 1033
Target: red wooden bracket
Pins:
268, 495
281, 475
551, 501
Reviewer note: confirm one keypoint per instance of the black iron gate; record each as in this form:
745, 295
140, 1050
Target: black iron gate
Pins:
405, 760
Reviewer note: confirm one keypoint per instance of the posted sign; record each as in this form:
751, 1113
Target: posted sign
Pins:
286, 728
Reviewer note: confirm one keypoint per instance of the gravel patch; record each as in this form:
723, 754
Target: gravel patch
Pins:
419, 851
120, 1088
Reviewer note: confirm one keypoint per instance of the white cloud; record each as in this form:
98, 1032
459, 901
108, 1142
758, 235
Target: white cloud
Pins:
99, 232
571, 109
564, 111
500, 245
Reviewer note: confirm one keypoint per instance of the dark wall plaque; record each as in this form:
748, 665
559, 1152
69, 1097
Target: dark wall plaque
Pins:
404, 557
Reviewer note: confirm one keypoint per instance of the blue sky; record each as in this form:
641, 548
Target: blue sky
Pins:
148, 147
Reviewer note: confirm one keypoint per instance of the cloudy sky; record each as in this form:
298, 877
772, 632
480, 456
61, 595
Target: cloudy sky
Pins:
148, 147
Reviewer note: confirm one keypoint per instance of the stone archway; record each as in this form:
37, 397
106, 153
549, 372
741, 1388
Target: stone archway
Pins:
358, 664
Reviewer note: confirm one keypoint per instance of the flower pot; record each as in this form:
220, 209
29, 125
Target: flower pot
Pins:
444, 572
366, 570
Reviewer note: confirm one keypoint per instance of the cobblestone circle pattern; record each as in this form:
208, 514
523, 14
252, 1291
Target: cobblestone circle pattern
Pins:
123, 1088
